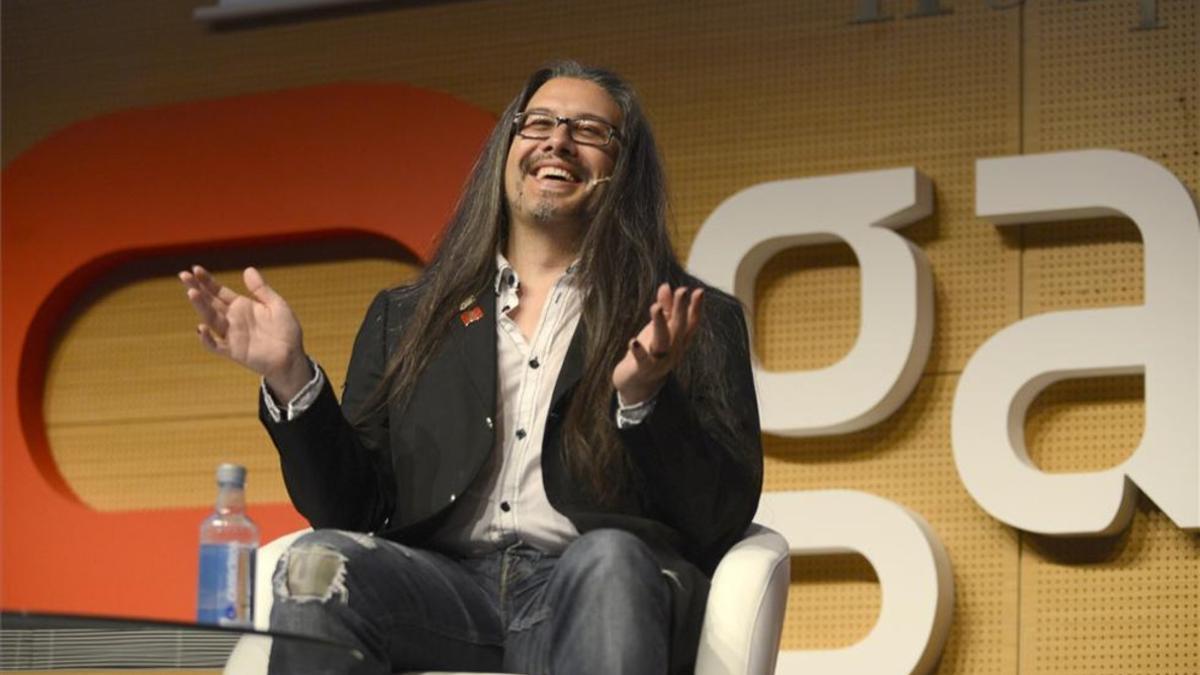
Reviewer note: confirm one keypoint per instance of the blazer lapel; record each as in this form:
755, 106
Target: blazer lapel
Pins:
476, 338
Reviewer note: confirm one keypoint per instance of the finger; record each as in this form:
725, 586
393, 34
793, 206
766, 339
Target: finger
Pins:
663, 297
660, 343
211, 310
193, 285
694, 309
212, 287
679, 312
210, 341
640, 355
257, 285
190, 282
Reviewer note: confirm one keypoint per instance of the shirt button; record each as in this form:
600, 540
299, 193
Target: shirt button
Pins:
488, 422
534, 363
520, 434
505, 507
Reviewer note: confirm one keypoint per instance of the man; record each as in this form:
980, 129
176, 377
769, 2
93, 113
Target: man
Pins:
552, 434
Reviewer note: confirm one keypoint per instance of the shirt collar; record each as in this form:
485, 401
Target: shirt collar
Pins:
506, 276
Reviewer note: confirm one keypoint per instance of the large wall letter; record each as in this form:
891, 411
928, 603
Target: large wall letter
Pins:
915, 577
880, 371
1160, 338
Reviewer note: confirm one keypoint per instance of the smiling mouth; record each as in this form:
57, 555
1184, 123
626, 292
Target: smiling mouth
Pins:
555, 174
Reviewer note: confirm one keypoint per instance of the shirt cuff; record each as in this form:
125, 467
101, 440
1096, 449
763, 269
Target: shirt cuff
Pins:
633, 415
302, 401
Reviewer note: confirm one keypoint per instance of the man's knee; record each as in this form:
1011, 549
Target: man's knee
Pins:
609, 555
609, 586
314, 567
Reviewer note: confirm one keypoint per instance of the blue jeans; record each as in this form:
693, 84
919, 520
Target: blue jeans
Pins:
603, 606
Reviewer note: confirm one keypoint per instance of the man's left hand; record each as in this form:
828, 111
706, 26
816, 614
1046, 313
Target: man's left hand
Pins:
661, 344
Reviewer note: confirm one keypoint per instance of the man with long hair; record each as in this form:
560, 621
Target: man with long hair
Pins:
545, 444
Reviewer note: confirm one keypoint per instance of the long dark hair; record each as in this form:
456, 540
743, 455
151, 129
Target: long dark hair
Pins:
625, 255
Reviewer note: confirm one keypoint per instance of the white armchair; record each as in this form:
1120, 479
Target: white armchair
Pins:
742, 623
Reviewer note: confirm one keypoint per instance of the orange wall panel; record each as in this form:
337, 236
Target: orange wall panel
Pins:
255, 170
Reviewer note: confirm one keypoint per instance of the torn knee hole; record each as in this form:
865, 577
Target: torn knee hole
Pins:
312, 572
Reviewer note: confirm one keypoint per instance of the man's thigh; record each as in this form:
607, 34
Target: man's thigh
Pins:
405, 608
603, 607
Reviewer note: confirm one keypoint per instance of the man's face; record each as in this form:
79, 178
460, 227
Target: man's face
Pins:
550, 181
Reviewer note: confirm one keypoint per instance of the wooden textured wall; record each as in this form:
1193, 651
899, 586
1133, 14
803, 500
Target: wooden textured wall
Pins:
740, 93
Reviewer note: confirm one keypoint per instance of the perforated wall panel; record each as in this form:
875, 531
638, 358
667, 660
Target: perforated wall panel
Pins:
139, 415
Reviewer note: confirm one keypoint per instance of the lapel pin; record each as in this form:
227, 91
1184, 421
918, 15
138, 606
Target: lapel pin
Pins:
471, 315
466, 303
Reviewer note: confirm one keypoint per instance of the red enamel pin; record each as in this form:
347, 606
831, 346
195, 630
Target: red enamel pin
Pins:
471, 313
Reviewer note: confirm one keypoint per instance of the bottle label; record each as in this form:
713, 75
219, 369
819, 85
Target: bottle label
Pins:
226, 596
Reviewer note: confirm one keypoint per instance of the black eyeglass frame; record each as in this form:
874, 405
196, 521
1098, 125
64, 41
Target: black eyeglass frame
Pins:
613, 132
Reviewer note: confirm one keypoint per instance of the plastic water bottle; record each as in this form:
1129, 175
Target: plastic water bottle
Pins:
228, 540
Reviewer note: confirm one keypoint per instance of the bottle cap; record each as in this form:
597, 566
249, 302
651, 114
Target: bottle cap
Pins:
231, 474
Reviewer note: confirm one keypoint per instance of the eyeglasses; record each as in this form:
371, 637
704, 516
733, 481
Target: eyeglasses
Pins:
539, 126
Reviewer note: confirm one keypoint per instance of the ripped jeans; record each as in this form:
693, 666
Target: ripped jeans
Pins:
603, 606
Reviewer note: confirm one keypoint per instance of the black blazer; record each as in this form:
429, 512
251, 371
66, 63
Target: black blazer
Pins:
398, 473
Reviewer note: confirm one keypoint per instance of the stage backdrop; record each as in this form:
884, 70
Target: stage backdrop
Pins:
121, 415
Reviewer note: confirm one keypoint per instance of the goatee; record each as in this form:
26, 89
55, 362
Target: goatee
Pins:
544, 211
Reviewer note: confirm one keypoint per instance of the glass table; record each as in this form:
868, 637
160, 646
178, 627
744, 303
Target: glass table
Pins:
57, 643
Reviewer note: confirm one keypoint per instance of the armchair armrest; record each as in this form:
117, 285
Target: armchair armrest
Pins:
743, 621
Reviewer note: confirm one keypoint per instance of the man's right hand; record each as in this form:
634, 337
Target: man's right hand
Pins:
259, 332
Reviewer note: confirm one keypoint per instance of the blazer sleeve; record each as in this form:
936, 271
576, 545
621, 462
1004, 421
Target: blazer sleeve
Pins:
699, 475
338, 473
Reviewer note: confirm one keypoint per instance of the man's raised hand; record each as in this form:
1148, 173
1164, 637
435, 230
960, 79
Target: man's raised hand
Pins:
660, 345
259, 332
